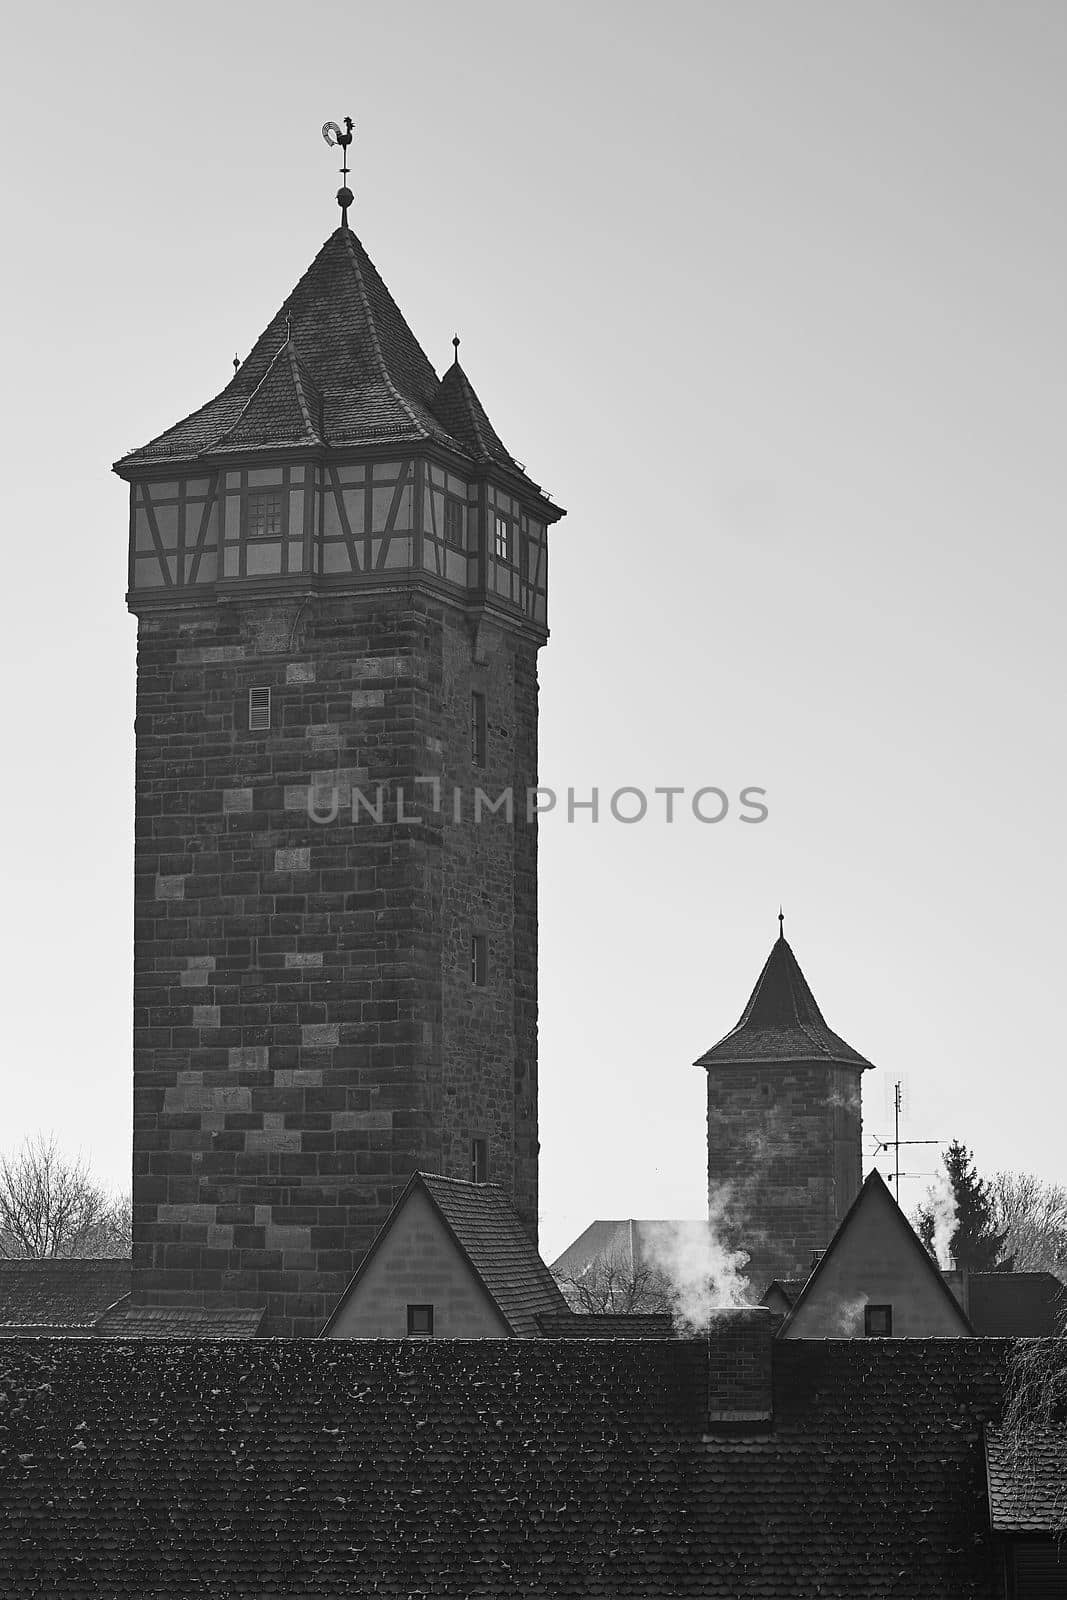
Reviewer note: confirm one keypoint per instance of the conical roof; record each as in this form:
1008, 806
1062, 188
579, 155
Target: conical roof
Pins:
782, 1022
340, 351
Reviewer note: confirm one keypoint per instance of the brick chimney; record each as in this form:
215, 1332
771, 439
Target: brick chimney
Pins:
740, 1365
958, 1280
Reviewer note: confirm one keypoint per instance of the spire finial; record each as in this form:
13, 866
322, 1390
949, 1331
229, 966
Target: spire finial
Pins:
781, 923
236, 361
455, 346
334, 136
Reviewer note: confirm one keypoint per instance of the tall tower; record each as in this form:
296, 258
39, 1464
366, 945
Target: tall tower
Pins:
784, 1125
340, 579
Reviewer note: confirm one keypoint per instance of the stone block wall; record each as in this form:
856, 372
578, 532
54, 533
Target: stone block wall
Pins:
302, 993
784, 1160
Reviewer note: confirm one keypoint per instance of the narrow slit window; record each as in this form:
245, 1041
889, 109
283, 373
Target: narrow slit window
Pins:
479, 959
477, 728
420, 1322
479, 1160
258, 710
454, 518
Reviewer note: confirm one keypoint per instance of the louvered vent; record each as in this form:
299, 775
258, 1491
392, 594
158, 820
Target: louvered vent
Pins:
258, 709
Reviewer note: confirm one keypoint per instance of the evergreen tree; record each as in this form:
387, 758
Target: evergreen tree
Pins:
975, 1242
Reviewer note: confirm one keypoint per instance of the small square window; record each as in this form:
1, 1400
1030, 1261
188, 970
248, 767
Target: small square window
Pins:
420, 1322
264, 517
258, 710
479, 959
503, 538
479, 1160
878, 1322
454, 519
477, 728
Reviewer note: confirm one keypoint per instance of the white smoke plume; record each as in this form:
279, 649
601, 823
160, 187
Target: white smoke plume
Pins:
941, 1201
846, 1317
703, 1273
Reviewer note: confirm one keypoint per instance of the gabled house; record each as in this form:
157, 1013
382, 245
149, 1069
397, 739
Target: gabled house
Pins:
453, 1261
875, 1279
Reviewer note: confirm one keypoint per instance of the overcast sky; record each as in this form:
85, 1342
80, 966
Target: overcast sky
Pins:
770, 296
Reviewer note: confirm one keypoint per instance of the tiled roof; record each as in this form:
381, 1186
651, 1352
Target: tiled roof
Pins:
629, 1243
781, 1022
487, 1229
464, 416
126, 1321
492, 1467
790, 1287
606, 1325
1016, 1304
59, 1294
285, 408
360, 376
1027, 1480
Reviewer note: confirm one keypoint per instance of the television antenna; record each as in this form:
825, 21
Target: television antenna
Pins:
895, 1143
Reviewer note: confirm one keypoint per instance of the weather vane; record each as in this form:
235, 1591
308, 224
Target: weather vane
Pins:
334, 136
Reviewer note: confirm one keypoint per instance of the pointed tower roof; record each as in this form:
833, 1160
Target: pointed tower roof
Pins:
339, 350
781, 1022
465, 417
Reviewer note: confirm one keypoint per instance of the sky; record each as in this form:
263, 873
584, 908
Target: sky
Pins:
769, 294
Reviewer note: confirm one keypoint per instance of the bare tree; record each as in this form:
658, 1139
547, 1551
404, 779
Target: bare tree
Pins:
1035, 1414
607, 1285
50, 1206
1032, 1213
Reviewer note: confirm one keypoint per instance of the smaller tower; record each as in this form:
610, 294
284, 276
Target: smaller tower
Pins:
784, 1125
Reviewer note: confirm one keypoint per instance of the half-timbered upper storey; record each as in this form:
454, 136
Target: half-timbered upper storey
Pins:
336, 457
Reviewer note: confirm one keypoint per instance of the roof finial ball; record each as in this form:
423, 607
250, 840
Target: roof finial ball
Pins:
781, 923
455, 347
334, 136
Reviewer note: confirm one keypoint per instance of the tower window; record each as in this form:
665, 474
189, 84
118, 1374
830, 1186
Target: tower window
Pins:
878, 1322
454, 510
503, 538
420, 1322
479, 959
477, 728
264, 520
479, 1160
258, 710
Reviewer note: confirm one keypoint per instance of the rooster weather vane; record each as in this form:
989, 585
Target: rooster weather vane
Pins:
343, 138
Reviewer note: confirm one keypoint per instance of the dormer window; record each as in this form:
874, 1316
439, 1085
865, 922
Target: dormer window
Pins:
265, 515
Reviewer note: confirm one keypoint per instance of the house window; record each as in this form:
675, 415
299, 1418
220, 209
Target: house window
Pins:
454, 510
420, 1322
265, 515
477, 728
258, 710
479, 1160
503, 538
479, 959
877, 1322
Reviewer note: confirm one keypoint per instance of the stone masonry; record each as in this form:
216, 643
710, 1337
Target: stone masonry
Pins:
306, 1030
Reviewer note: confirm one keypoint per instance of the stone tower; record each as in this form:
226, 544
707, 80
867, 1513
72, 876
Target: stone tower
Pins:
340, 580
784, 1125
